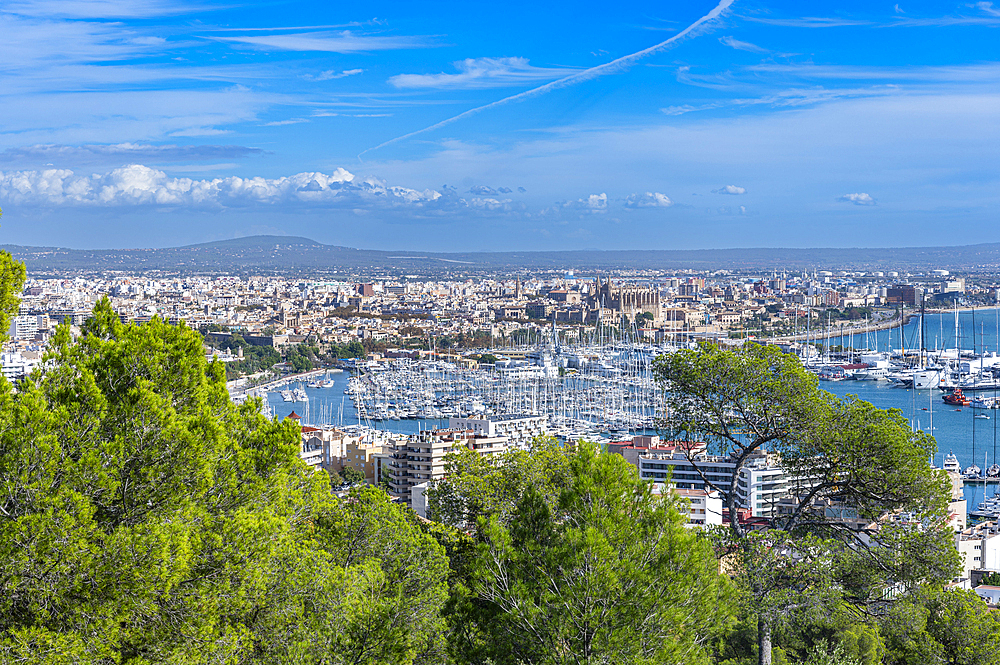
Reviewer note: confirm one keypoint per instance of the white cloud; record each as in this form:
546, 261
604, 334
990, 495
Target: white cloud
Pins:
742, 46
648, 200
595, 203
137, 185
810, 22
52, 153
987, 8
282, 123
331, 74
325, 41
140, 185
858, 199
482, 73
730, 189
678, 110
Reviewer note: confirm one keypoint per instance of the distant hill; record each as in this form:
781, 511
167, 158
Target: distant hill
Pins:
289, 254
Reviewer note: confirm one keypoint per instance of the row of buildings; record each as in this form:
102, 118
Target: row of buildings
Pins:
392, 309
408, 465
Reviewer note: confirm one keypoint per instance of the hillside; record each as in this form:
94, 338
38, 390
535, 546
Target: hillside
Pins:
280, 254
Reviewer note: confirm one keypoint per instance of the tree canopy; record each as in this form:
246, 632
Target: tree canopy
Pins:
147, 518
867, 513
605, 572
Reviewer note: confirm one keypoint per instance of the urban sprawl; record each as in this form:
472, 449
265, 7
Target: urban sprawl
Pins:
503, 360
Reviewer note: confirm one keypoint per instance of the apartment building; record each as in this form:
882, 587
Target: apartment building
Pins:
517, 429
760, 487
420, 457
704, 508
979, 547
361, 455
16, 366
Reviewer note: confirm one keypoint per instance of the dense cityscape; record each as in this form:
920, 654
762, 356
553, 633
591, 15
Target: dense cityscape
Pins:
527, 334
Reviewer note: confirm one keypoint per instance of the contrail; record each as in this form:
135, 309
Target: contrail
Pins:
586, 75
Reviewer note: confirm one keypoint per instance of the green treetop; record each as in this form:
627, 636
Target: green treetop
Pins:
867, 513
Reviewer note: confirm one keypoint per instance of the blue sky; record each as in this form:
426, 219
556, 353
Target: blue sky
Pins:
486, 126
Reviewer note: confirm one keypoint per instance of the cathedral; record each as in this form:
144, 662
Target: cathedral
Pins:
611, 302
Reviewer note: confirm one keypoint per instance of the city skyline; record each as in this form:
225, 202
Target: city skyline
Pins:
707, 124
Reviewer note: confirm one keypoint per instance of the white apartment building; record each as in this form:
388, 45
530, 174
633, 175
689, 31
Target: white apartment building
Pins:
704, 508
420, 457
979, 547
759, 488
418, 498
15, 366
518, 429
27, 326
683, 473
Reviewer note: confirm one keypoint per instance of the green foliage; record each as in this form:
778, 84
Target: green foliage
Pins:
475, 485
992, 579
301, 358
863, 643
780, 578
146, 519
12, 276
135, 489
942, 626
389, 610
605, 573
871, 518
350, 350
487, 359
352, 475
824, 654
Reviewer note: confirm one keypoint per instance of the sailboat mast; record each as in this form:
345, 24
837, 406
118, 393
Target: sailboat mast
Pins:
923, 336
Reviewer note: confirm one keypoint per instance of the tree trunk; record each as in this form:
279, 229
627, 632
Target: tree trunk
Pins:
763, 641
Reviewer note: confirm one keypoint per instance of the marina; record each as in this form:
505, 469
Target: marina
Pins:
592, 392
607, 392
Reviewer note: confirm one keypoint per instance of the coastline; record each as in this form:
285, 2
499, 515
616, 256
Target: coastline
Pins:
847, 330
876, 327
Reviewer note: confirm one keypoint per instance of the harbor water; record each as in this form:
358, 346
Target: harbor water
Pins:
333, 406
972, 440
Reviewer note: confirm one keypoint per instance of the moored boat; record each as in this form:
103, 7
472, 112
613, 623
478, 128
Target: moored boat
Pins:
956, 398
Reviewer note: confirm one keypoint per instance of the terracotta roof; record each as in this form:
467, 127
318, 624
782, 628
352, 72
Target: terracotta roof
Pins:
293, 416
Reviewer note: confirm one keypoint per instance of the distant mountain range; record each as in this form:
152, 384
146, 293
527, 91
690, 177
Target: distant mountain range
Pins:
289, 254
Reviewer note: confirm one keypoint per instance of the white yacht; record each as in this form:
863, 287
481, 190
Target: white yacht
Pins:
951, 464
925, 379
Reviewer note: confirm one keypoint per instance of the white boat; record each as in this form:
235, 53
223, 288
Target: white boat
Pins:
951, 464
925, 379
300, 395
872, 374
287, 395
